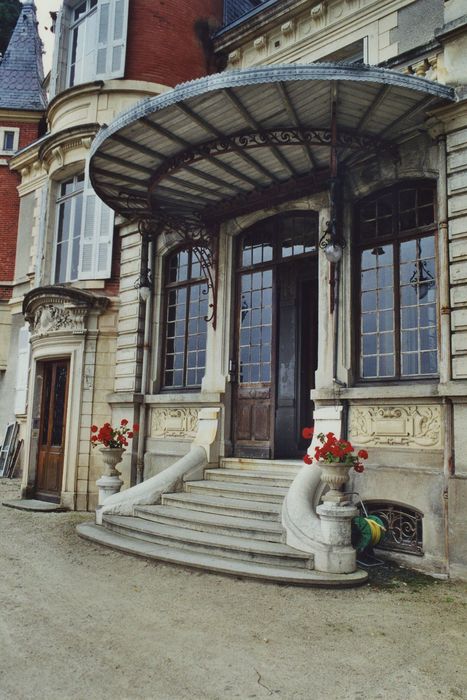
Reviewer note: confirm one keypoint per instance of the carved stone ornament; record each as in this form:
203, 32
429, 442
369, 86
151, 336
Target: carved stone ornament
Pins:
404, 426
51, 318
177, 423
59, 310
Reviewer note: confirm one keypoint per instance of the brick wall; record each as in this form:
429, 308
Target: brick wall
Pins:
9, 203
162, 45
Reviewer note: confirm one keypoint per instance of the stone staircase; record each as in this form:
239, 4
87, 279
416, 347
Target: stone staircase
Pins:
229, 523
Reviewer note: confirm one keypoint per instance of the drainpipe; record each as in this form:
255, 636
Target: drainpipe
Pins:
445, 370
443, 265
148, 303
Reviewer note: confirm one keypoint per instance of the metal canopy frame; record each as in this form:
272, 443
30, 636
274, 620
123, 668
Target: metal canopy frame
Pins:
232, 142
190, 151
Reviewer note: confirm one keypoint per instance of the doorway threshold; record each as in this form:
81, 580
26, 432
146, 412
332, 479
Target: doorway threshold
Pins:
34, 505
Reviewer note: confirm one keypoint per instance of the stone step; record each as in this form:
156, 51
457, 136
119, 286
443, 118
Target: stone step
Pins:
240, 508
271, 494
291, 466
270, 530
264, 478
218, 565
209, 543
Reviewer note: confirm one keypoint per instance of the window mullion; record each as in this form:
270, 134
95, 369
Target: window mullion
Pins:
397, 310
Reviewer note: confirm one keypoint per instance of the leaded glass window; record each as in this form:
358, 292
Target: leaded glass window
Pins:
397, 283
186, 293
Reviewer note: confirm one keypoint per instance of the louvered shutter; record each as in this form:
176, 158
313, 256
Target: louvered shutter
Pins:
96, 237
22, 371
112, 32
59, 59
44, 195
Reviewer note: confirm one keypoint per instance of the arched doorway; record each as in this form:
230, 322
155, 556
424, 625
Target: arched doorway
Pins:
275, 335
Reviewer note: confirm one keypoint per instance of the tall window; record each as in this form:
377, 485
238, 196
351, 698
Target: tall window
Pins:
396, 247
83, 233
186, 294
69, 218
90, 42
83, 42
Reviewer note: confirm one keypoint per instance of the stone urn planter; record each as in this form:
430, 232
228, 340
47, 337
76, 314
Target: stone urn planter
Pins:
335, 475
110, 482
114, 440
111, 456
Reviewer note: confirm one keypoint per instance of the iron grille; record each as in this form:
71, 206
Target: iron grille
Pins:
404, 527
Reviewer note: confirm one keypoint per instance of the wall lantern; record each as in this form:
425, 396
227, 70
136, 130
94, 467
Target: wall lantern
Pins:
331, 244
144, 286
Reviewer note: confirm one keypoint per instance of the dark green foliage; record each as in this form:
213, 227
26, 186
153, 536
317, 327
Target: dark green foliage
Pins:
9, 13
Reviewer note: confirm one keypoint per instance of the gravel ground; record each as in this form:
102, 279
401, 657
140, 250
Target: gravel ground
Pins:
82, 622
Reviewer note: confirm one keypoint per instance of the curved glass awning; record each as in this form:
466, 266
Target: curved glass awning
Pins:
211, 147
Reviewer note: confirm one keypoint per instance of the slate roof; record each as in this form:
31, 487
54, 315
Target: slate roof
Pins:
21, 70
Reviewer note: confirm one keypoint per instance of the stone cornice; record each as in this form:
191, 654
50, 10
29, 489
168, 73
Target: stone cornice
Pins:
354, 19
142, 87
67, 140
17, 115
265, 19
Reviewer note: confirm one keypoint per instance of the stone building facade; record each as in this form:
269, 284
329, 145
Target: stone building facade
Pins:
226, 190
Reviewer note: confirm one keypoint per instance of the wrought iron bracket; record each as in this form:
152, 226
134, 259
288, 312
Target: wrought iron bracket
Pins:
204, 241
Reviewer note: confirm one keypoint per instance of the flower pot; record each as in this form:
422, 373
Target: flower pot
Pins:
335, 475
111, 456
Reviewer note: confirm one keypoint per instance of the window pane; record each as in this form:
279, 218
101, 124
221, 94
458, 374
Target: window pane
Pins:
255, 327
418, 310
8, 140
377, 324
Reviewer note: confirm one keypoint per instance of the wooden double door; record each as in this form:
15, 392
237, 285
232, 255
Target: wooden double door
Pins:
276, 338
49, 473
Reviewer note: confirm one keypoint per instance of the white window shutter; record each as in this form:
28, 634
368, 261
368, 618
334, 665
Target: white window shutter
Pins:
59, 59
103, 26
96, 237
112, 33
22, 371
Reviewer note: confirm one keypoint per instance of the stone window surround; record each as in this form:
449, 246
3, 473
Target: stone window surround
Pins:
3, 130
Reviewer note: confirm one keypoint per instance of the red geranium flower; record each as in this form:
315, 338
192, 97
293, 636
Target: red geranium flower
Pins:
307, 433
307, 459
363, 454
124, 421
94, 428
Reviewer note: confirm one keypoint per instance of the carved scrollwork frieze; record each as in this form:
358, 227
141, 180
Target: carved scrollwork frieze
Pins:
413, 426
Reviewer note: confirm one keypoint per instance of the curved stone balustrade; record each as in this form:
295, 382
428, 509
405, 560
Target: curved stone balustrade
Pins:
323, 530
188, 468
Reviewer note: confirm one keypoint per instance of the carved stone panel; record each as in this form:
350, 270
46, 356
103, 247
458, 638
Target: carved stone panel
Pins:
176, 423
51, 317
406, 426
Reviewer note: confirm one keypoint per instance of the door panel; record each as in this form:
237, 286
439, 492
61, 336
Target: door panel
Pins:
52, 430
276, 337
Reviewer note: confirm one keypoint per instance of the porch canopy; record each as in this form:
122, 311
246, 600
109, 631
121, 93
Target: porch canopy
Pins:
214, 147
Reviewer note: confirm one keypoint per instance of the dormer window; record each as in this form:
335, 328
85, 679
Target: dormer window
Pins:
90, 42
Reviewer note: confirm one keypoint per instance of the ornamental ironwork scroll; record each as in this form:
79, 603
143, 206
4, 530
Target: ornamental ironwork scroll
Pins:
273, 138
204, 241
404, 527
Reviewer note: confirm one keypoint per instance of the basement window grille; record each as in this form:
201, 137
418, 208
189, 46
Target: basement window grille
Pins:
404, 526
